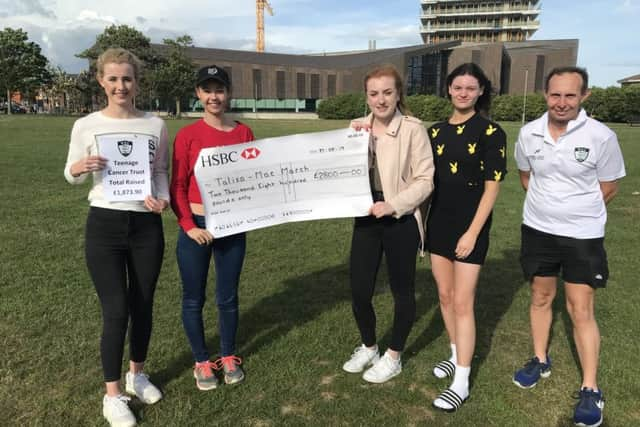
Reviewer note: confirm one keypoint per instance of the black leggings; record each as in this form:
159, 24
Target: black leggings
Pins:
398, 239
124, 251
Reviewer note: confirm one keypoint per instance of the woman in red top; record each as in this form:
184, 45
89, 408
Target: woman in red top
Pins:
196, 244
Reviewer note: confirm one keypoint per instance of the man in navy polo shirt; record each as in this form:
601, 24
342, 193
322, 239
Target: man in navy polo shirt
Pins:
569, 166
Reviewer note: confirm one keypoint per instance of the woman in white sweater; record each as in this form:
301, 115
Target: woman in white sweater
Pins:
124, 236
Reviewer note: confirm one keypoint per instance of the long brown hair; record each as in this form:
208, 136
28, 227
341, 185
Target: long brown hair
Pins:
390, 71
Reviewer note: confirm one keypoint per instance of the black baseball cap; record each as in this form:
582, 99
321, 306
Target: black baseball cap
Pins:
213, 72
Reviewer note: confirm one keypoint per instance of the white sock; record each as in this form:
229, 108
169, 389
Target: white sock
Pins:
439, 373
460, 382
460, 386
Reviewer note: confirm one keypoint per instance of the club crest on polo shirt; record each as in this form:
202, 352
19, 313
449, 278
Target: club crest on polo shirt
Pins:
581, 153
125, 147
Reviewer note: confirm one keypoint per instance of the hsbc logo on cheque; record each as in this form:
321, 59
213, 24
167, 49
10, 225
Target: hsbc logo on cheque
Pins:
250, 153
222, 158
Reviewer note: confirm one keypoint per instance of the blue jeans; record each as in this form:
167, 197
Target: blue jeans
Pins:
193, 262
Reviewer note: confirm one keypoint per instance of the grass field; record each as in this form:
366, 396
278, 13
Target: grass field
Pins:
296, 327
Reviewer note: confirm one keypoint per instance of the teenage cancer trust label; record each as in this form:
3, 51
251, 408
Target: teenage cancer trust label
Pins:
127, 175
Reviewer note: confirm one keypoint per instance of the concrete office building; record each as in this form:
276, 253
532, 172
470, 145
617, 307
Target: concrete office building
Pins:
492, 34
478, 20
276, 81
495, 35
514, 67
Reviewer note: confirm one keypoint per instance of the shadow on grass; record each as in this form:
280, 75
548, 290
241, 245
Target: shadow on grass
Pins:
426, 298
560, 309
305, 298
500, 280
301, 301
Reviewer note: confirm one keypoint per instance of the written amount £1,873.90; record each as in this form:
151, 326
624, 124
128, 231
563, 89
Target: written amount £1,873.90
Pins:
127, 192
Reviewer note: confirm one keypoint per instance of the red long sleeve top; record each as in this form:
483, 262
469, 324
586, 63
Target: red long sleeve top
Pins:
186, 147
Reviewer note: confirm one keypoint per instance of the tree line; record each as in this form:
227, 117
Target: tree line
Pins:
613, 104
168, 75
166, 81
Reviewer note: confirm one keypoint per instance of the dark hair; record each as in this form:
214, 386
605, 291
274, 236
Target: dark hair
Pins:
390, 71
582, 72
483, 104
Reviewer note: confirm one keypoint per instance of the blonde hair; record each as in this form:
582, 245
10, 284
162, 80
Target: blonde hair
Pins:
118, 55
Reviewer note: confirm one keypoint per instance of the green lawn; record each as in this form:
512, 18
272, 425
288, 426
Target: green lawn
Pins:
296, 325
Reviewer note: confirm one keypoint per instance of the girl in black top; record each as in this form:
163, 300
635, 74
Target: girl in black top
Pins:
469, 152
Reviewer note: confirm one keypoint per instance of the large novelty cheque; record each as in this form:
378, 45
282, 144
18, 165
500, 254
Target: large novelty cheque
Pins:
127, 175
277, 180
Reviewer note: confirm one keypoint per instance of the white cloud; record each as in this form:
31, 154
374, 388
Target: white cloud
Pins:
628, 7
26, 8
339, 37
91, 17
64, 28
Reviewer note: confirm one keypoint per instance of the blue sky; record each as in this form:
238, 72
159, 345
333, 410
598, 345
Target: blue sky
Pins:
607, 30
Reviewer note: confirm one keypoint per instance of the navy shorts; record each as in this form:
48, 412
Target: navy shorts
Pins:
581, 261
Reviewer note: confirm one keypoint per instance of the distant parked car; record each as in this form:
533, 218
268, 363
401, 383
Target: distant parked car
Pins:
15, 108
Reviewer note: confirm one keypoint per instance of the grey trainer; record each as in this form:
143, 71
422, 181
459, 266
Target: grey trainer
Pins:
204, 375
230, 365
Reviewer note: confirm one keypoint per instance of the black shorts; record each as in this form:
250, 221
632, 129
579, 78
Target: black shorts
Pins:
445, 229
581, 260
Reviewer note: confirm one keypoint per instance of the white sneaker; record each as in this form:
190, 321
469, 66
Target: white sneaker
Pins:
140, 386
117, 412
361, 358
383, 370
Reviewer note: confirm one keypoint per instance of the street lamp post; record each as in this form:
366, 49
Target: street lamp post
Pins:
524, 99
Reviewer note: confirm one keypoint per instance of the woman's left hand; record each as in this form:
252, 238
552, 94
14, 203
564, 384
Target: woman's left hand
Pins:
155, 205
465, 245
358, 126
380, 209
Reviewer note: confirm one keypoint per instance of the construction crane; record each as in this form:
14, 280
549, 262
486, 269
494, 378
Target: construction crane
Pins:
261, 5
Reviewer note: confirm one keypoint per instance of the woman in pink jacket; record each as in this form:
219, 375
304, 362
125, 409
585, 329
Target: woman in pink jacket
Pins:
401, 178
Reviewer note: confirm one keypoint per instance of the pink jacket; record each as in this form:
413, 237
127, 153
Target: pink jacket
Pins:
405, 163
